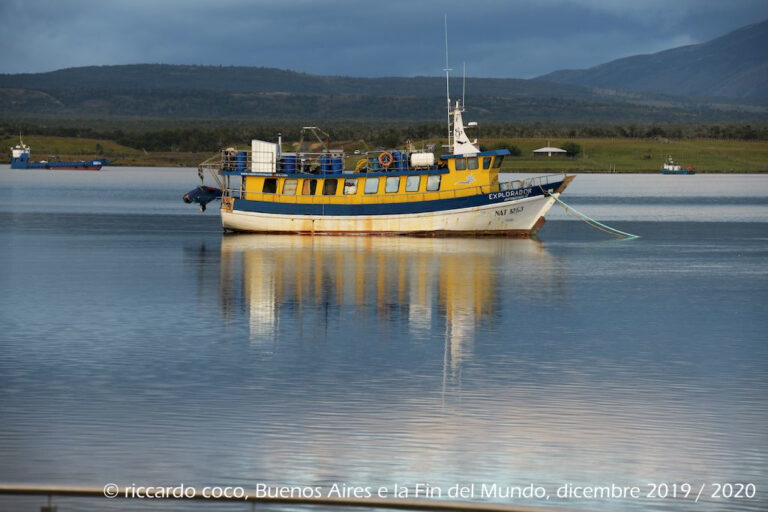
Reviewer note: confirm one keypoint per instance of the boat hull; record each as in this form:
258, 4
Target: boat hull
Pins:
516, 217
58, 166
682, 171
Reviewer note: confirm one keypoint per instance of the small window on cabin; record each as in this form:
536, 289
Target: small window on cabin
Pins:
289, 187
461, 164
371, 185
472, 163
270, 186
487, 162
497, 161
433, 183
350, 186
329, 187
393, 183
412, 183
309, 187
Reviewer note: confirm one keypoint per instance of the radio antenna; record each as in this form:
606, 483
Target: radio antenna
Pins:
447, 83
463, 83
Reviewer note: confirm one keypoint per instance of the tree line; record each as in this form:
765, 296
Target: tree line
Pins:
206, 136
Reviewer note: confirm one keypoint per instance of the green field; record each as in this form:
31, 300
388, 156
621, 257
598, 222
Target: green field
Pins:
598, 154
642, 155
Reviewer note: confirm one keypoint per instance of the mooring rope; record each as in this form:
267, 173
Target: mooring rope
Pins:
592, 222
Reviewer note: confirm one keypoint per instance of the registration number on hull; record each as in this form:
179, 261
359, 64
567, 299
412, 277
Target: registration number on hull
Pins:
509, 211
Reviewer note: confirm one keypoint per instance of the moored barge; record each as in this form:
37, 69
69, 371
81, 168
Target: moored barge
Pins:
20, 160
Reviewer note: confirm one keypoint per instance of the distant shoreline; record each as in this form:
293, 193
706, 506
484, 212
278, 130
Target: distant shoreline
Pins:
193, 167
594, 155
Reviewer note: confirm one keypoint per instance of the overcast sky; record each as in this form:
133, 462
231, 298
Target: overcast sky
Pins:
496, 38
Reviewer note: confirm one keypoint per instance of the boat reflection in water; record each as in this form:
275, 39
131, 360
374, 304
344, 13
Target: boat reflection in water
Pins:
433, 283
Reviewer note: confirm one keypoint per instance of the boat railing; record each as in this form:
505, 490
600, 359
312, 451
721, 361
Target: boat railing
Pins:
233, 161
534, 181
543, 182
321, 198
110, 492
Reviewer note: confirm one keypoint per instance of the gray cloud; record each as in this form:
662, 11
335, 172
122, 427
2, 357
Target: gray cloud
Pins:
520, 38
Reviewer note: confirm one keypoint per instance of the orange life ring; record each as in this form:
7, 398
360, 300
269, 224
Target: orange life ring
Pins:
386, 159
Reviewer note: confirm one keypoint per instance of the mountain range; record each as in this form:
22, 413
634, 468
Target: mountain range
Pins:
722, 80
734, 65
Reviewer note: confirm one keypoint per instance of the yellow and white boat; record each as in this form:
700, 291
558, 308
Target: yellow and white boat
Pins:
403, 192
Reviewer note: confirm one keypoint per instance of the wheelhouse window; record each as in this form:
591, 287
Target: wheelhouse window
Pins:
472, 163
497, 161
270, 186
412, 183
350, 186
393, 184
309, 187
487, 162
329, 187
289, 187
371, 185
433, 183
461, 163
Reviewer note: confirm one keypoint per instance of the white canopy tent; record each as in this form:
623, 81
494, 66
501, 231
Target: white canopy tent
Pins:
549, 150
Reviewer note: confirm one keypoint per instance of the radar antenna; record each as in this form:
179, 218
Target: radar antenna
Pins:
447, 83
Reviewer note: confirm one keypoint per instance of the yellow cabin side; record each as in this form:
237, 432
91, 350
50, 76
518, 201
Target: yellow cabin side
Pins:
462, 176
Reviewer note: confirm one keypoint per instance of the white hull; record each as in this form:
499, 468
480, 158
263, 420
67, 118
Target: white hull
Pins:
521, 217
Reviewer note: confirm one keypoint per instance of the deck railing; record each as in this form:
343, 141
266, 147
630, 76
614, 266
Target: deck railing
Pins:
246, 161
320, 198
536, 182
107, 492
533, 181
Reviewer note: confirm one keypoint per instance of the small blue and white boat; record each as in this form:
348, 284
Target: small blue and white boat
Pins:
672, 167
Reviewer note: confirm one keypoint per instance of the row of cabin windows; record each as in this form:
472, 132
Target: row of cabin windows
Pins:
372, 185
473, 162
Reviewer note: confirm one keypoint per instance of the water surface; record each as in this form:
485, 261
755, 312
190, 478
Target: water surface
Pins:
141, 345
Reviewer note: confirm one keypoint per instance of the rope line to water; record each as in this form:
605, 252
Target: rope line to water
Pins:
592, 222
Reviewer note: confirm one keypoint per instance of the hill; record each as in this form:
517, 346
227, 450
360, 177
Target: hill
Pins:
734, 65
692, 84
210, 92
153, 77
174, 103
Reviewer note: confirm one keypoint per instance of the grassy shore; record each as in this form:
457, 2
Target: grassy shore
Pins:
598, 154
644, 155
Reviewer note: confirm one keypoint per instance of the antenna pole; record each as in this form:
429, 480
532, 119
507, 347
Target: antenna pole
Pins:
463, 83
447, 82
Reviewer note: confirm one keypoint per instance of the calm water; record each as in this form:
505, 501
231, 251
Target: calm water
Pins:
141, 345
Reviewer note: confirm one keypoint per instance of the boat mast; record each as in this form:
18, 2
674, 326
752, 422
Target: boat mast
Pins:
447, 84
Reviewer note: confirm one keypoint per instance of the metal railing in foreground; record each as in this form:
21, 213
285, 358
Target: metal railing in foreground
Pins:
104, 493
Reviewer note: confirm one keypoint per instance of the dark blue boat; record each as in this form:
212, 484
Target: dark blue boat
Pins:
20, 160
